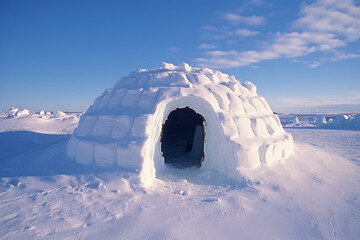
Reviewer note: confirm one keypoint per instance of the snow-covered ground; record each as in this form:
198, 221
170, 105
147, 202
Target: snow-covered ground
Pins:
315, 194
56, 122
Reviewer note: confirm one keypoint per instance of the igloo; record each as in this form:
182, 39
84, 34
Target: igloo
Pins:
181, 116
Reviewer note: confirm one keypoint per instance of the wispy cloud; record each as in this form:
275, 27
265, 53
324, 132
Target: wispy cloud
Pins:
250, 20
324, 25
208, 27
207, 46
343, 56
314, 64
224, 33
335, 56
284, 45
246, 32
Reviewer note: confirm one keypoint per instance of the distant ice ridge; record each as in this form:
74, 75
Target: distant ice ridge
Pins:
124, 125
55, 122
14, 112
328, 121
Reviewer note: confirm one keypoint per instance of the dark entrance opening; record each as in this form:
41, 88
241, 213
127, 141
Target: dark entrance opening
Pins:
182, 138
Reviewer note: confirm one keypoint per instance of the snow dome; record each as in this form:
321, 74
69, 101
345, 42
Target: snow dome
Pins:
183, 117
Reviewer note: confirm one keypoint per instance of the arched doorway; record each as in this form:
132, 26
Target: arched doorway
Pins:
182, 138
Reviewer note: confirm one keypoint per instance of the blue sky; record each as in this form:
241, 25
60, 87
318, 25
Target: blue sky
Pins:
61, 55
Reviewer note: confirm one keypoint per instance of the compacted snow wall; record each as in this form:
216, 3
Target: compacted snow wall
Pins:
123, 126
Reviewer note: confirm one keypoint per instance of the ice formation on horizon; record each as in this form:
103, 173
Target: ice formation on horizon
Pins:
124, 125
15, 112
322, 121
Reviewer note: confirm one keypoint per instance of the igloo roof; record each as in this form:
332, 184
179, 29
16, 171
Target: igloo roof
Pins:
123, 126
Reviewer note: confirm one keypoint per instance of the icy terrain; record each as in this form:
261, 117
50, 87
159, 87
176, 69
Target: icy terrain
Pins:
44, 195
349, 121
56, 122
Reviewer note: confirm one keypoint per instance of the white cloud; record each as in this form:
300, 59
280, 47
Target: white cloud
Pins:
324, 25
329, 16
336, 56
210, 28
343, 56
283, 45
207, 46
225, 33
250, 20
246, 32
314, 64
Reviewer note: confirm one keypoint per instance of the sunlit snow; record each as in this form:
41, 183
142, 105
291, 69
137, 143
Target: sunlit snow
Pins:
43, 194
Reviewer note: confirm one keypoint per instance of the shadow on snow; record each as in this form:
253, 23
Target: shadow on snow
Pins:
24, 153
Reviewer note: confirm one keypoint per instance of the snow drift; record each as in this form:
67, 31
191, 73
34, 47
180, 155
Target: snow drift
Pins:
125, 124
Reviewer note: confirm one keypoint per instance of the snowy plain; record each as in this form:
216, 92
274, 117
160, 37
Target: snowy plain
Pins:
315, 194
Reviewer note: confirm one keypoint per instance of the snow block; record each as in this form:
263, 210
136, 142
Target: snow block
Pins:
286, 148
278, 151
250, 86
129, 156
86, 124
274, 125
148, 99
267, 154
229, 126
249, 109
121, 127
103, 126
244, 127
139, 126
105, 101
269, 125
117, 98
159, 80
259, 127
235, 105
184, 67
248, 157
85, 152
105, 154
179, 79
168, 66
198, 79
131, 98
72, 147
265, 104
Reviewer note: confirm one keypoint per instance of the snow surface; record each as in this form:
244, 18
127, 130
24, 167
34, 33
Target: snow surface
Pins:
123, 126
45, 195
